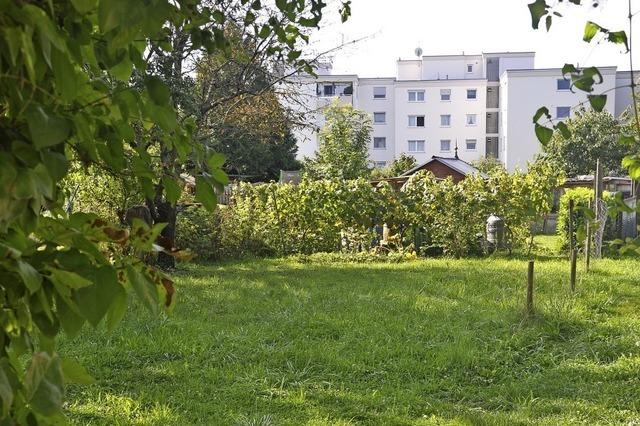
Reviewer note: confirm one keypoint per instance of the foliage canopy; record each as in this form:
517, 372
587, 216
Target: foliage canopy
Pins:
76, 85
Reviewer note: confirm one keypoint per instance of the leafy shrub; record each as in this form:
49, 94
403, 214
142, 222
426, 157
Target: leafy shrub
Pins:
427, 215
198, 230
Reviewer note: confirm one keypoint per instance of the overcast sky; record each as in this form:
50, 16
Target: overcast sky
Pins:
394, 28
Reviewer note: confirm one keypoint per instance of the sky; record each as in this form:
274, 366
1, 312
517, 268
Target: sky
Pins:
393, 29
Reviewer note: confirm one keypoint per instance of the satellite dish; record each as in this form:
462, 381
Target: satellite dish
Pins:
418, 51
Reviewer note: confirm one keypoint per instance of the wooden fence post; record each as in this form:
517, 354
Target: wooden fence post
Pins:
530, 288
587, 244
570, 226
574, 257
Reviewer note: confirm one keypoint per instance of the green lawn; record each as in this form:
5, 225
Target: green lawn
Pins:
279, 342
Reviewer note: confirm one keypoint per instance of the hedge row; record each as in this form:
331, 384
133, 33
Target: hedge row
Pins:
426, 215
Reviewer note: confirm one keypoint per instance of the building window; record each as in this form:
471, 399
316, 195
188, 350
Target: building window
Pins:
379, 93
471, 144
416, 146
379, 117
563, 84
445, 145
472, 119
563, 112
472, 93
445, 120
445, 94
379, 164
379, 143
328, 90
416, 121
416, 95
469, 68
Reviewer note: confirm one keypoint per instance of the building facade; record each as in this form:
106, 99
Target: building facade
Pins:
481, 104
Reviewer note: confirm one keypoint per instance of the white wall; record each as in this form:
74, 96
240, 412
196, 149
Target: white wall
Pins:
432, 108
516, 63
526, 92
409, 70
451, 67
624, 98
367, 103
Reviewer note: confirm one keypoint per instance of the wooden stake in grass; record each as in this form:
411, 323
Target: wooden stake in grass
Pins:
587, 244
530, 288
574, 257
570, 226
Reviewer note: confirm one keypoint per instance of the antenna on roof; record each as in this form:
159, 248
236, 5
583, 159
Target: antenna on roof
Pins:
455, 155
418, 51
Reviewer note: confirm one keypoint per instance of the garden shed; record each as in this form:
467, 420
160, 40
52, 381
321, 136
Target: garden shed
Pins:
444, 167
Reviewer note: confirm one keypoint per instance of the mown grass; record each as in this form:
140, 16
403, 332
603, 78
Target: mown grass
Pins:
440, 341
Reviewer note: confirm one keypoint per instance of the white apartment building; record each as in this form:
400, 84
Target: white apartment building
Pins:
481, 104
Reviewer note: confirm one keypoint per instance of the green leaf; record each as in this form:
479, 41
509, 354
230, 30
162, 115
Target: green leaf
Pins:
122, 71
73, 372
543, 134
590, 30
158, 91
25, 185
44, 384
540, 112
216, 161
84, 6
619, 37
172, 189
144, 288
6, 393
70, 320
564, 129
249, 18
597, 102
62, 278
112, 14
46, 128
45, 26
205, 193
627, 139
218, 16
56, 164
569, 69
220, 176
12, 37
95, 300
537, 9
30, 276
116, 311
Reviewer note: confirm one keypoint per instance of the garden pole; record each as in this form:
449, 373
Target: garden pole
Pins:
587, 244
574, 257
570, 226
530, 288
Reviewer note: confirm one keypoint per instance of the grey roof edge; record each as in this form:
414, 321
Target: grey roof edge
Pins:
446, 163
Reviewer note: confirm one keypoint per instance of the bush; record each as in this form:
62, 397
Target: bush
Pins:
199, 231
427, 216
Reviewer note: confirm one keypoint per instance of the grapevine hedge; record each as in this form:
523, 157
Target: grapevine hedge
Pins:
427, 215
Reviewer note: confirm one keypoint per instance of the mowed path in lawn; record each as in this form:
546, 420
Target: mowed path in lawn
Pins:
442, 341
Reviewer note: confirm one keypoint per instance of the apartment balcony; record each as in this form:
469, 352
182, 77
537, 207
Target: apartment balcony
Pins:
493, 97
492, 123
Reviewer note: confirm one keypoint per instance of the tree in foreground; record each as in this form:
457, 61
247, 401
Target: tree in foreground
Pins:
76, 86
594, 135
343, 149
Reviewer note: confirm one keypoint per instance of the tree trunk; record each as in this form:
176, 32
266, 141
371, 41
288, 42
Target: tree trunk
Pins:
167, 214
